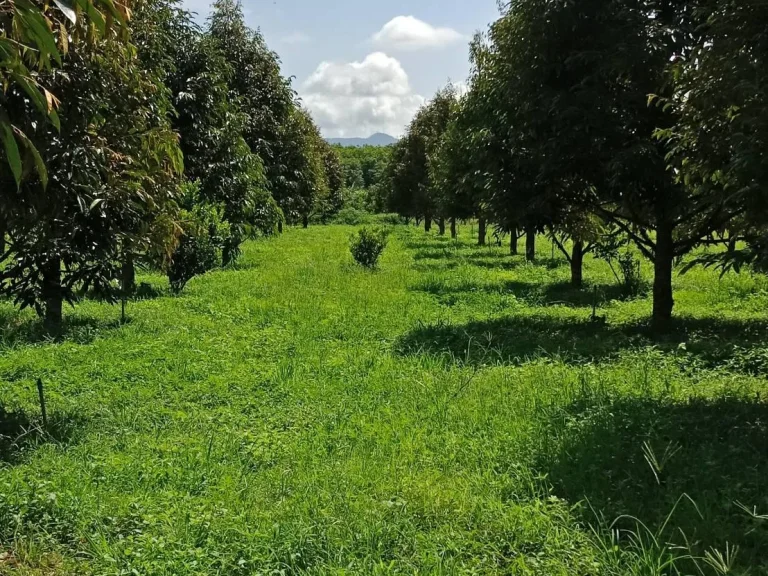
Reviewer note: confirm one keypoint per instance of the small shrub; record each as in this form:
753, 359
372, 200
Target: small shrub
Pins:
616, 252
388, 219
206, 234
632, 281
351, 217
367, 245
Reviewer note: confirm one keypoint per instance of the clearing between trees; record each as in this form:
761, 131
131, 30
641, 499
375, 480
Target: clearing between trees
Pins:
456, 411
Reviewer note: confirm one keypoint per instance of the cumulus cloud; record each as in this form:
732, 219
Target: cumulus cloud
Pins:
360, 98
296, 38
410, 33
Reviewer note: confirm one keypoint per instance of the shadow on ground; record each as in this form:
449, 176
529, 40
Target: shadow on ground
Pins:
534, 294
638, 456
21, 433
709, 342
16, 329
144, 291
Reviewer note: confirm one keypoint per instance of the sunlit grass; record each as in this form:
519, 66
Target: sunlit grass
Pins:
457, 411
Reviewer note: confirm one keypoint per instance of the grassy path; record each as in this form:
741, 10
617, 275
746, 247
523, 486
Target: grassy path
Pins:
447, 414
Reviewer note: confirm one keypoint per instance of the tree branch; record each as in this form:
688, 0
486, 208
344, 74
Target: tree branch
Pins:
644, 243
560, 245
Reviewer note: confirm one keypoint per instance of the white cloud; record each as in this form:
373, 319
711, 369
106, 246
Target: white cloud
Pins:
410, 33
360, 98
296, 38
462, 88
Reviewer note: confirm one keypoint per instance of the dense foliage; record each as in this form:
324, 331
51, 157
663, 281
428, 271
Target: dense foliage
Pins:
363, 176
591, 120
367, 246
456, 411
143, 104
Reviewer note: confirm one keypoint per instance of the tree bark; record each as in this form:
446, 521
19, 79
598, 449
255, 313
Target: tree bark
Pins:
441, 226
453, 228
577, 263
530, 243
427, 223
53, 298
513, 241
481, 233
663, 301
305, 221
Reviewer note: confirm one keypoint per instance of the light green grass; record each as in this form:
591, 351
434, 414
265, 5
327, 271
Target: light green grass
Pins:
454, 412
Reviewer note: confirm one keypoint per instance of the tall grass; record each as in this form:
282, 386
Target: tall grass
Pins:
454, 412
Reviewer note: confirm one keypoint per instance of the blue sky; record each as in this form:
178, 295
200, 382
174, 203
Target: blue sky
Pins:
366, 66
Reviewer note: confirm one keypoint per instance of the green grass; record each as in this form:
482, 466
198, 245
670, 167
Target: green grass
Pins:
454, 412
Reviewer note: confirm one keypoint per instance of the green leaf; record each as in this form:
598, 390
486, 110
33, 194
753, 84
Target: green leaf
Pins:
95, 17
44, 39
34, 93
53, 115
39, 164
67, 9
11, 151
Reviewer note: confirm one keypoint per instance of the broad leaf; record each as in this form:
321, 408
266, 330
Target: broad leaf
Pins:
11, 151
67, 9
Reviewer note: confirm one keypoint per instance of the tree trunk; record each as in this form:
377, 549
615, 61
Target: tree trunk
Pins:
52, 296
513, 241
279, 226
441, 226
481, 232
305, 221
2, 237
663, 301
453, 228
427, 223
530, 244
128, 275
577, 262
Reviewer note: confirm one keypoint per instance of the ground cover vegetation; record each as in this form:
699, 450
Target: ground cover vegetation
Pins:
275, 397
457, 410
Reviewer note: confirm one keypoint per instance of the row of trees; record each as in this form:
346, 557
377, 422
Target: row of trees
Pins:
364, 168
589, 119
138, 138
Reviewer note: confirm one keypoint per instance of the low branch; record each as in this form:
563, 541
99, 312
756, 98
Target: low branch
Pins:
717, 220
560, 246
644, 243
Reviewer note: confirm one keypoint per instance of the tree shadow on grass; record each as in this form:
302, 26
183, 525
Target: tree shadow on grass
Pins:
20, 433
144, 291
565, 294
433, 243
709, 342
534, 294
444, 253
493, 262
512, 340
16, 330
638, 456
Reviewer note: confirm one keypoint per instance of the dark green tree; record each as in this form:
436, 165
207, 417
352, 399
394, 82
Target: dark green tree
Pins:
569, 83
111, 169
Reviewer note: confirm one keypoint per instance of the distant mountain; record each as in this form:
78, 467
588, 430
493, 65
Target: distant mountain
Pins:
377, 139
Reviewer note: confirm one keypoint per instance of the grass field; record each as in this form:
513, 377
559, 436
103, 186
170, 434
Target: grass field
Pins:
455, 412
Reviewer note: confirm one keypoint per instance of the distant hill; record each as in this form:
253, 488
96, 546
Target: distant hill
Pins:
377, 139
